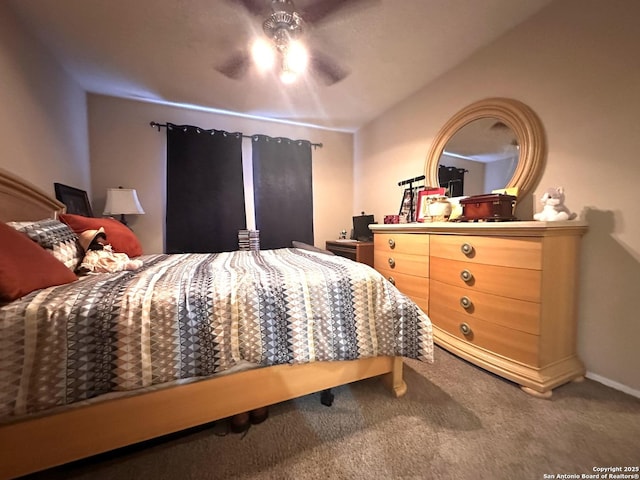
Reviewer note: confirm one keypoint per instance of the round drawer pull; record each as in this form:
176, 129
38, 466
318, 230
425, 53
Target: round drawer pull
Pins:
392, 262
465, 302
392, 243
466, 275
392, 280
466, 248
465, 329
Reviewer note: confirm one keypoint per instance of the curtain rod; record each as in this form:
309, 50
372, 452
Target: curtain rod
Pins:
164, 125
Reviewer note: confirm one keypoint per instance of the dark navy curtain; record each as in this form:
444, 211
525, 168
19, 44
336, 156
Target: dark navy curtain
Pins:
283, 194
205, 190
452, 179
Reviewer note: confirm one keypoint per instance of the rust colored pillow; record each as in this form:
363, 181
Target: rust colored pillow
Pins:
25, 266
121, 238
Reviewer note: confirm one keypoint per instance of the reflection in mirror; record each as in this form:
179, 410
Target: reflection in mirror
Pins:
491, 144
480, 157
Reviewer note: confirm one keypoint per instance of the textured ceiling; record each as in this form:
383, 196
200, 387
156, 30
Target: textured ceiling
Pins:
169, 51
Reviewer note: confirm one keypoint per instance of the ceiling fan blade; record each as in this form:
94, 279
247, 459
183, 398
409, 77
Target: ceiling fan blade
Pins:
236, 66
322, 9
327, 69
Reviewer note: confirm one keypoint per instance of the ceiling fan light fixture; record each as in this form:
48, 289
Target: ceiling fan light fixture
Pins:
284, 19
263, 54
285, 6
296, 57
287, 76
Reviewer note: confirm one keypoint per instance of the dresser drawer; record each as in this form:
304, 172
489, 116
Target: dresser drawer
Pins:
512, 344
417, 288
518, 252
415, 244
518, 283
417, 265
506, 312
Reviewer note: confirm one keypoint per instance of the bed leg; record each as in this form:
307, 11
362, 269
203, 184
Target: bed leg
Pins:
326, 397
394, 380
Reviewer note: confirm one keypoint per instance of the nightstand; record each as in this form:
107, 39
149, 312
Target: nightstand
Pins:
358, 251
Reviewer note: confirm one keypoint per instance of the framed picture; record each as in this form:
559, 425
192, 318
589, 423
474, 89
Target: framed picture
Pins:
422, 206
76, 200
422, 209
408, 206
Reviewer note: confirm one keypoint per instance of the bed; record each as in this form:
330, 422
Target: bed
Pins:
276, 346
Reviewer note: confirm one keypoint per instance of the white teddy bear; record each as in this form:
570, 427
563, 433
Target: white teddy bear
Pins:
554, 209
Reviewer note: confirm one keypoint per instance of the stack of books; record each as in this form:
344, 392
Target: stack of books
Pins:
249, 240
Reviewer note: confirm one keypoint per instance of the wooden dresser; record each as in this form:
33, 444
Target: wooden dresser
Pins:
502, 295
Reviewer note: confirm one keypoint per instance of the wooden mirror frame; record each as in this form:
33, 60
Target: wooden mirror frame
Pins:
515, 114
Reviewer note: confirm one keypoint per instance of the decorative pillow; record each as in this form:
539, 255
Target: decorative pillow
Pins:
25, 266
56, 237
312, 248
121, 238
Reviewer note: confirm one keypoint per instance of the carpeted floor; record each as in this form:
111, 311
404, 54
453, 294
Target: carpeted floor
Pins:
455, 422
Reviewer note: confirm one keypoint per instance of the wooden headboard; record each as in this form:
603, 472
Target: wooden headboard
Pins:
19, 200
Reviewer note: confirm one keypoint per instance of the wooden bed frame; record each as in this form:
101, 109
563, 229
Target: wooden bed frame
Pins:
42, 442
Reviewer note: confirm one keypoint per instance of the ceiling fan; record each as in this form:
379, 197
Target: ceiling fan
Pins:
286, 41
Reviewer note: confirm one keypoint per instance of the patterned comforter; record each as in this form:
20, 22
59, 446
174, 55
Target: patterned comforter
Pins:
193, 315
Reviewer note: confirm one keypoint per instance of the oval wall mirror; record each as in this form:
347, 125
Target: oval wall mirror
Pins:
491, 144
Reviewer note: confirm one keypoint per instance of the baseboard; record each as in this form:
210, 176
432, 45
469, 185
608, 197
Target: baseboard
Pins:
612, 384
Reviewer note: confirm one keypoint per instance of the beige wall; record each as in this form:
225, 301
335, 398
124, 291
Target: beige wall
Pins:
43, 119
575, 64
126, 151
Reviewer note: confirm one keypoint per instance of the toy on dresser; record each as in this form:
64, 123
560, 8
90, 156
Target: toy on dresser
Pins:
554, 209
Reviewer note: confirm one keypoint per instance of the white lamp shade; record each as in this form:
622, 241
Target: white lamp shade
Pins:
122, 201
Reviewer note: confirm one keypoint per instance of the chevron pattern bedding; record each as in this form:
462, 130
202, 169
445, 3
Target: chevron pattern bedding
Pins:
193, 315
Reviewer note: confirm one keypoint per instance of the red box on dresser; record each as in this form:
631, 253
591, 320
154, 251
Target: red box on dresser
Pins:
492, 207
